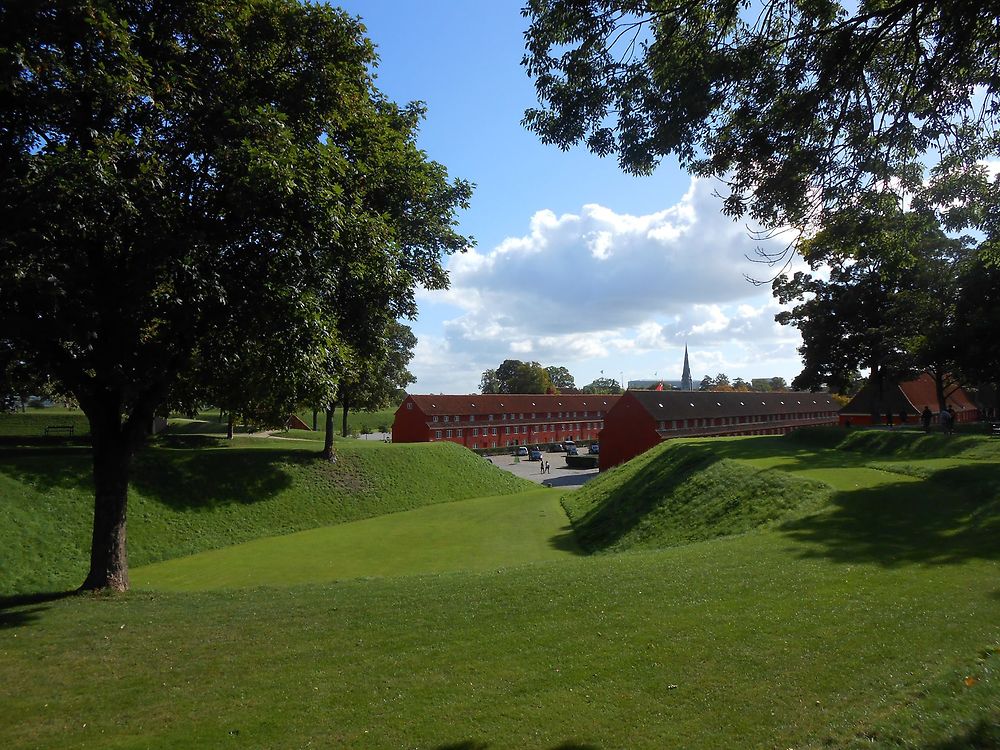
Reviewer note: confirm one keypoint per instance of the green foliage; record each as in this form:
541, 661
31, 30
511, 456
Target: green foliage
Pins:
802, 108
603, 385
561, 379
515, 376
192, 499
887, 305
188, 193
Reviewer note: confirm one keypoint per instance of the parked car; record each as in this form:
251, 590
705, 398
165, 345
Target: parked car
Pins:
534, 455
521, 450
594, 448
570, 448
555, 448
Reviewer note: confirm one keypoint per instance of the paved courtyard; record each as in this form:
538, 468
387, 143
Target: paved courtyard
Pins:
560, 476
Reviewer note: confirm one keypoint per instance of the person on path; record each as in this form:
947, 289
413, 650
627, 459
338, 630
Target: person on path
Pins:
926, 417
548, 470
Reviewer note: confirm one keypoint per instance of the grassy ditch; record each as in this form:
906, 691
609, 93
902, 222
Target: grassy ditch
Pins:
187, 500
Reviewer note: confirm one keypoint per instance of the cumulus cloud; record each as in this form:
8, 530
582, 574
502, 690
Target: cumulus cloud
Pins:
599, 285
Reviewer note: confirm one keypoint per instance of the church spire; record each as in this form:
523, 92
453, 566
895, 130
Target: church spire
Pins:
686, 383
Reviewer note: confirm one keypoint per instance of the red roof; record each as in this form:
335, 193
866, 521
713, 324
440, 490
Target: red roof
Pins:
520, 403
911, 396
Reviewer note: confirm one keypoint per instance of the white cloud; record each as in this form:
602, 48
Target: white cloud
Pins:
596, 289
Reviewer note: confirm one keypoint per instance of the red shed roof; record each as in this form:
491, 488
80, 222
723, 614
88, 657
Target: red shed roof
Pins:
910, 397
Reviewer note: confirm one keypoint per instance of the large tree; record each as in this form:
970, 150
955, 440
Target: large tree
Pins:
374, 384
800, 108
166, 170
882, 303
603, 385
515, 376
561, 378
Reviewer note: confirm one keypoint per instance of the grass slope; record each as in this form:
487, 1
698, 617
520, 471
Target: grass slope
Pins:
873, 622
679, 493
683, 491
184, 501
761, 640
476, 534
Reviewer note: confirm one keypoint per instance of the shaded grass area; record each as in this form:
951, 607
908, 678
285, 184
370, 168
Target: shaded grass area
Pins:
862, 495
476, 534
746, 641
682, 493
184, 501
208, 421
32, 423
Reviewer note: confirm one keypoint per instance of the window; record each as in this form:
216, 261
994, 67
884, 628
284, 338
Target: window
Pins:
434, 418
491, 419
494, 432
437, 434
409, 405
507, 430
447, 433
458, 433
475, 432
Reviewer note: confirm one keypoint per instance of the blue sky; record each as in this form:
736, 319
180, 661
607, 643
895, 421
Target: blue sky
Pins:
576, 264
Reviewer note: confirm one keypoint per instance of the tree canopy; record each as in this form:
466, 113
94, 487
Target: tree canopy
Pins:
184, 189
799, 108
515, 376
603, 385
884, 304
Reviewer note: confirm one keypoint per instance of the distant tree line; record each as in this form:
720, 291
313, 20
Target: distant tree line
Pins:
721, 382
515, 376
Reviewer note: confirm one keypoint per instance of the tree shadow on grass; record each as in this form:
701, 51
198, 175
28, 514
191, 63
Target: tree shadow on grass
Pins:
180, 479
952, 517
566, 542
186, 480
17, 611
477, 745
984, 735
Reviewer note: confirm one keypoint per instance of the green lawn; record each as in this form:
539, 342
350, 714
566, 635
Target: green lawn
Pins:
188, 500
478, 534
760, 641
860, 612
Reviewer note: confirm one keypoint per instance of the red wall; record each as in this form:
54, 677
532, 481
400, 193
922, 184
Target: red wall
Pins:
413, 426
409, 425
628, 431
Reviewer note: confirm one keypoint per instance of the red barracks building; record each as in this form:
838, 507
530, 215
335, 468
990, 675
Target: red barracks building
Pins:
642, 419
498, 420
903, 403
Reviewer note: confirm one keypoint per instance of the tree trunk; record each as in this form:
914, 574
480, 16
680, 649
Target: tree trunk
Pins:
315, 414
108, 552
328, 453
114, 444
878, 394
343, 420
229, 428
